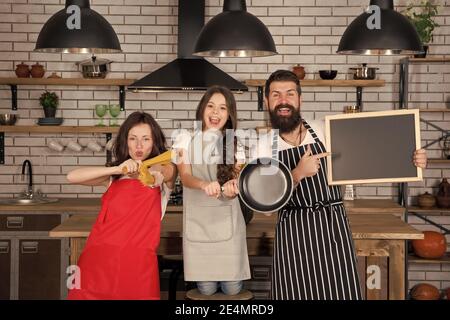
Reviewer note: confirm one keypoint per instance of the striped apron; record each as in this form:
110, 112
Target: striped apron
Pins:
314, 255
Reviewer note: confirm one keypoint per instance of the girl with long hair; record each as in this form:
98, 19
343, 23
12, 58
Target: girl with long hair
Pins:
214, 235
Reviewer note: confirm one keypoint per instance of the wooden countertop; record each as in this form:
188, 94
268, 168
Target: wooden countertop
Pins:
69, 205
363, 226
92, 205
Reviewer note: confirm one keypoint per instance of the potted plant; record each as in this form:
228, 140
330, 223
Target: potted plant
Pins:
421, 16
49, 101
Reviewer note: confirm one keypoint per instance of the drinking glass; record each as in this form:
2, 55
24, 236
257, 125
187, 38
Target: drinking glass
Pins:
100, 111
114, 111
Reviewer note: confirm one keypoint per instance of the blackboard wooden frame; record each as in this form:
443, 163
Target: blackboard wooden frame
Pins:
355, 129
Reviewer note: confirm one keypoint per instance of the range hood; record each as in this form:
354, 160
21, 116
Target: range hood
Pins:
187, 72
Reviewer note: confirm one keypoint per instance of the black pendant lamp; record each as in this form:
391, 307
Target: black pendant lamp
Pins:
94, 34
234, 33
396, 35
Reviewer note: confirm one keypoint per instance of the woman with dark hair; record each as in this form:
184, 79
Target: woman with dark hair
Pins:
214, 235
119, 260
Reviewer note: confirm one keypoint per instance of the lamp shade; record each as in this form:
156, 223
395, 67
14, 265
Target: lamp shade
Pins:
94, 35
396, 35
234, 33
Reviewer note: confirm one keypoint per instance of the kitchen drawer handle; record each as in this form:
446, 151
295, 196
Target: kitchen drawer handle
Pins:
261, 273
4, 247
14, 222
30, 247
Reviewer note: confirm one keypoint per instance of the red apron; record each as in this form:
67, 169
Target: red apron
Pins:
119, 260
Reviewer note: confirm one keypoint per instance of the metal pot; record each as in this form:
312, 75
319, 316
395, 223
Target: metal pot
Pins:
265, 185
364, 72
94, 67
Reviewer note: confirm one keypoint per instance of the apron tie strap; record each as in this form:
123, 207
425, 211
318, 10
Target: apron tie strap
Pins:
316, 206
287, 210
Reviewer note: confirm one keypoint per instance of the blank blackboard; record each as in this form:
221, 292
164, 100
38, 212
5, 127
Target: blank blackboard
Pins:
373, 147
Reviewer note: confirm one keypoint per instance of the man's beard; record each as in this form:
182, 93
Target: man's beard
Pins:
282, 123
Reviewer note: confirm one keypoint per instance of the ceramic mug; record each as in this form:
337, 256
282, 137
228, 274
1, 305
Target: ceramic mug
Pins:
55, 145
109, 145
94, 146
74, 146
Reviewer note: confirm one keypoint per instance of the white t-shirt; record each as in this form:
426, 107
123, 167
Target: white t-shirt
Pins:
183, 141
264, 146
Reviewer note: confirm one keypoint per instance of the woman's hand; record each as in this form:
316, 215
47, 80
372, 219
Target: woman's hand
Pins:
230, 188
129, 167
309, 164
212, 189
420, 158
159, 178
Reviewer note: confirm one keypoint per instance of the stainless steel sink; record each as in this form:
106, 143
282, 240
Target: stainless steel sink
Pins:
25, 202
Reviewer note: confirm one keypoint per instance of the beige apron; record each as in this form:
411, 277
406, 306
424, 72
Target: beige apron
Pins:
214, 234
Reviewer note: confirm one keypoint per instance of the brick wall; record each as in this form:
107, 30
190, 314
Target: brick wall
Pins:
305, 32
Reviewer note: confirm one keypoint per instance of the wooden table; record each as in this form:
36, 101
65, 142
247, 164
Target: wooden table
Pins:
379, 241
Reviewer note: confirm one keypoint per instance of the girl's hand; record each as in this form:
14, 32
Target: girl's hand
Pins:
309, 164
420, 158
129, 167
212, 189
230, 188
159, 178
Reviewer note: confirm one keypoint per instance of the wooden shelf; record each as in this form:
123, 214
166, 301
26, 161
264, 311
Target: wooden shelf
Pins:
324, 83
433, 110
430, 211
415, 259
430, 59
59, 129
66, 81
447, 161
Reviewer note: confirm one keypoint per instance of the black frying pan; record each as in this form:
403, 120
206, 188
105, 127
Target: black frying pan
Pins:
265, 185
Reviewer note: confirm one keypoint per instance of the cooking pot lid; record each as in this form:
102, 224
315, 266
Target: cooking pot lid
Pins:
265, 186
93, 61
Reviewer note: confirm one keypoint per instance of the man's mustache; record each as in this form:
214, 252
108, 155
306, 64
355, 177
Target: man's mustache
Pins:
284, 106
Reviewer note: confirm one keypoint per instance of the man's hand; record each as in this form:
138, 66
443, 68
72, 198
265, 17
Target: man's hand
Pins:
420, 158
309, 164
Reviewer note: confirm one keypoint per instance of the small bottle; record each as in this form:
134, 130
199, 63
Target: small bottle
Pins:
349, 193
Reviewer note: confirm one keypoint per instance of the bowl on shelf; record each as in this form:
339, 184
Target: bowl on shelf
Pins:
8, 119
426, 200
328, 74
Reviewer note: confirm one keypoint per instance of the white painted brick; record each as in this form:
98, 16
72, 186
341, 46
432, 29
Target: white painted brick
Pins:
268, 3
156, 11
140, 39
8, 17
123, 10
156, 29
284, 11
140, 20
75, 189
141, 2
5, 46
299, 21
5, 8
438, 276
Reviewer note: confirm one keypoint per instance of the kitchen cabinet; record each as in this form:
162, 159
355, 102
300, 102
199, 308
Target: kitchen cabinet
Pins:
5, 269
39, 269
32, 265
